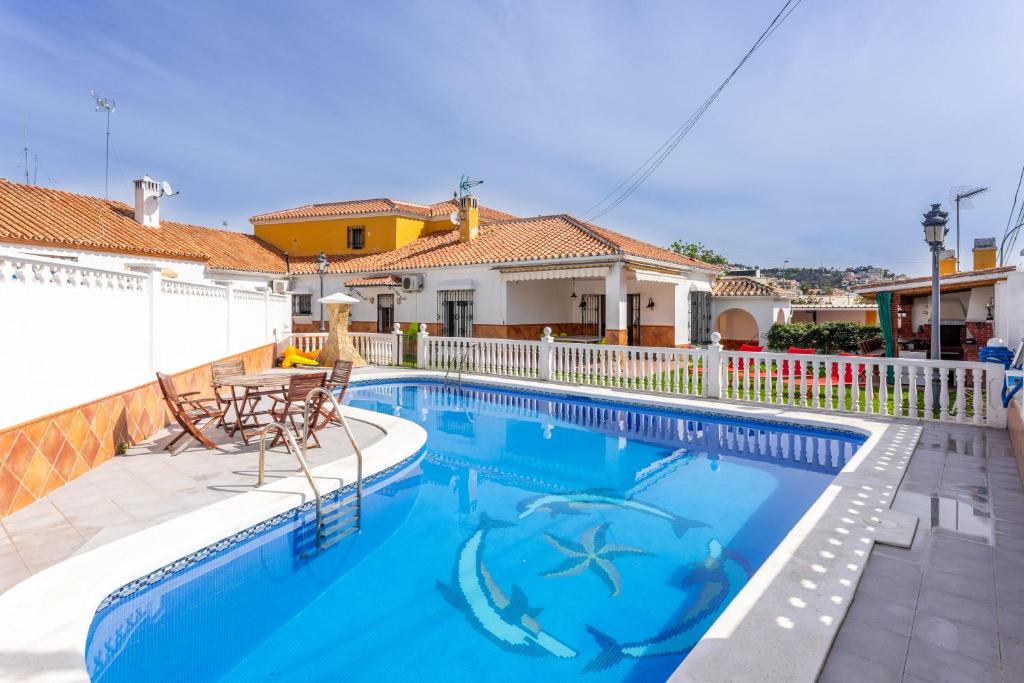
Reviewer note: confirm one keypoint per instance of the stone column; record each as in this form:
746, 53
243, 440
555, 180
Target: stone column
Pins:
338, 345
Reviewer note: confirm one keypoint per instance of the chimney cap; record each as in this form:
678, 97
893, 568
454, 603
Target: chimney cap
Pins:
985, 243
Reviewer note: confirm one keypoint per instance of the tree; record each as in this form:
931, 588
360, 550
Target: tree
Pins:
697, 250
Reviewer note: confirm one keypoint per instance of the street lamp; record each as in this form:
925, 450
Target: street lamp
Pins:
321, 268
935, 235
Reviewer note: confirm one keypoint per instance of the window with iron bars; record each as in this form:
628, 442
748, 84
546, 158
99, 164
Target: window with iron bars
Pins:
302, 304
356, 237
455, 312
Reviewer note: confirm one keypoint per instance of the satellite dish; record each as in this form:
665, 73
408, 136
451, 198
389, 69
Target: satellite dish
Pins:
454, 217
166, 190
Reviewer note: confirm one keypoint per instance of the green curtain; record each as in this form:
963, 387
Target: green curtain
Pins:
884, 300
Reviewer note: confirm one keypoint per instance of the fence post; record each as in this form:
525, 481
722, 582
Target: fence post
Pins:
267, 334
229, 293
398, 356
995, 378
544, 361
153, 286
713, 371
422, 358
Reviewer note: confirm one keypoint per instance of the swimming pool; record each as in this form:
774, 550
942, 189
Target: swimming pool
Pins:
536, 537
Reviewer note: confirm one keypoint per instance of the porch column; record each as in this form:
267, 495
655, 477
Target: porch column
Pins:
616, 320
681, 314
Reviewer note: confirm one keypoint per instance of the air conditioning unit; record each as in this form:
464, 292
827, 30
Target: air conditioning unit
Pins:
281, 286
412, 283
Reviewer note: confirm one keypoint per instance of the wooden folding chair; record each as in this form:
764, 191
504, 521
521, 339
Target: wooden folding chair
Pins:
190, 412
337, 382
292, 402
225, 399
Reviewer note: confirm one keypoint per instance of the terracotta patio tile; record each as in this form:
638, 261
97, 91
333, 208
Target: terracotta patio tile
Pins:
6, 441
100, 422
34, 479
88, 411
90, 450
64, 463
8, 488
53, 439
64, 421
21, 499
53, 482
78, 431
80, 468
20, 455
35, 430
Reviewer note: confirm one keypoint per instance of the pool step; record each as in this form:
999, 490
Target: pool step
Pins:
338, 520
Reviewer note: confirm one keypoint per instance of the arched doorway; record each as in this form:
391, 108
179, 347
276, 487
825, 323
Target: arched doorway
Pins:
780, 317
737, 327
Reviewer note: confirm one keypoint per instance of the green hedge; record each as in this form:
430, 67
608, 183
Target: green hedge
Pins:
824, 337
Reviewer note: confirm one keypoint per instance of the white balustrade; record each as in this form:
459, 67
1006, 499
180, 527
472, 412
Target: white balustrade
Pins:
964, 392
304, 341
889, 387
651, 369
376, 348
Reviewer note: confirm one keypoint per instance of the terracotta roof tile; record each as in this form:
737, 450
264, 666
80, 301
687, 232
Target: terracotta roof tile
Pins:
742, 286
47, 217
519, 240
374, 206
381, 281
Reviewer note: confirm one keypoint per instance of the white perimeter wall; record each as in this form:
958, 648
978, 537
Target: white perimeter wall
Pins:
71, 334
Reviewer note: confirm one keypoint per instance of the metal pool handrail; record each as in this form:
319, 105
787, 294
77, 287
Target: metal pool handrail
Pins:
460, 358
351, 438
299, 454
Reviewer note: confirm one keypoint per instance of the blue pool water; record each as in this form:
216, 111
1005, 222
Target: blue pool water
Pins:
535, 538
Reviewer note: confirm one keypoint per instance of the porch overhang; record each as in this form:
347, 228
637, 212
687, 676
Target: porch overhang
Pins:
554, 273
643, 275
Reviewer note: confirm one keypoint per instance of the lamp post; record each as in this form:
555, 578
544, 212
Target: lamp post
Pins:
935, 235
321, 268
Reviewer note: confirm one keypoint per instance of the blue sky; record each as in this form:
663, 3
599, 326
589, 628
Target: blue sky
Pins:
824, 150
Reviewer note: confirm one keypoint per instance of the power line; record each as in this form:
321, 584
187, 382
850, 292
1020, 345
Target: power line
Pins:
651, 164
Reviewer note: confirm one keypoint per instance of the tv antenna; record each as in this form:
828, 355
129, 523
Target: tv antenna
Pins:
962, 195
108, 106
465, 184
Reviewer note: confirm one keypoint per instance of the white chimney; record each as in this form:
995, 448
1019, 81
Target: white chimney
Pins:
147, 202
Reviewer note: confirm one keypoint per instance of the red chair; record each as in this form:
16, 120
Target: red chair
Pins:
748, 348
848, 370
796, 350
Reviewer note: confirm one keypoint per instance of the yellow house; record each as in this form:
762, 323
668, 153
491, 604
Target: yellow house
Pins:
362, 226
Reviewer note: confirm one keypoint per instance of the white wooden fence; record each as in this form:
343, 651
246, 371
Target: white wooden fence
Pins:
945, 391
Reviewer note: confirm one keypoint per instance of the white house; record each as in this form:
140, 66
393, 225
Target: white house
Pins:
744, 308
510, 278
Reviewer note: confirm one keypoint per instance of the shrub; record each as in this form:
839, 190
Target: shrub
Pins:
824, 337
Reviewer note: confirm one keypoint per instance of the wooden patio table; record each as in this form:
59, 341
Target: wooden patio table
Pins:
245, 388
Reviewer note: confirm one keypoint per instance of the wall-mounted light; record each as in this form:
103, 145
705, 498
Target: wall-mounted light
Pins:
650, 303
583, 303
990, 306
573, 289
